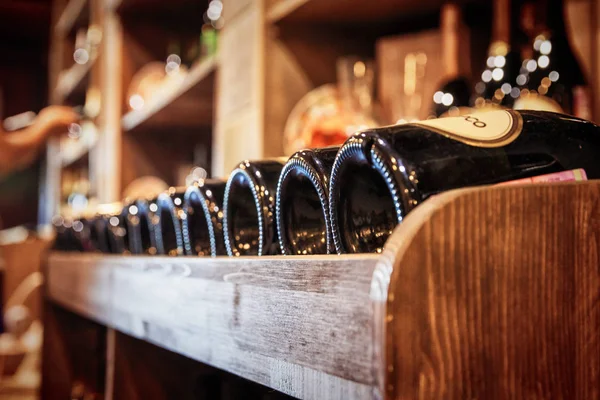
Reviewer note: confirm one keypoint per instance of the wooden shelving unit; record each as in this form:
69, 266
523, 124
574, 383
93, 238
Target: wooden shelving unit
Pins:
190, 106
75, 13
346, 11
73, 83
474, 288
480, 293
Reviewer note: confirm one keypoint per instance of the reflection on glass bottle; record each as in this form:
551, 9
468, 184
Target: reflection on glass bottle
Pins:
302, 203
249, 226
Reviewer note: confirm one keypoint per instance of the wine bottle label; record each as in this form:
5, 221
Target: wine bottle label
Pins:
482, 129
534, 101
563, 176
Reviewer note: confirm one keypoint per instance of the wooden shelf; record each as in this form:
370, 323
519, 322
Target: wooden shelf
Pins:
242, 310
347, 11
74, 154
191, 106
73, 83
76, 13
472, 289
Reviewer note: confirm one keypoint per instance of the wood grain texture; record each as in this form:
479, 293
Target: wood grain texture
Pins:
494, 293
299, 325
73, 353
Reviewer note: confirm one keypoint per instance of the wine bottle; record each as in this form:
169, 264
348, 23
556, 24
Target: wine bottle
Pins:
202, 226
249, 208
455, 92
382, 174
302, 203
65, 238
551, 78
497, 86
140, 228
167, 222
99, 234
84, 232
118, 240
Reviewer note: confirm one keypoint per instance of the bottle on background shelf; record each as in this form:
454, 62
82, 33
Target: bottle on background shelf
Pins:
380, 175
454, 94
329, 114
498, 84
249, 226
550, 78
202, 226
302, 203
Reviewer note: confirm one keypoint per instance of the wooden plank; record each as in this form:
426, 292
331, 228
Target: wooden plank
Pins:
106, 155
189, 106
299, 325
72, 354
347, 11
75, 12
239, 113
493, 293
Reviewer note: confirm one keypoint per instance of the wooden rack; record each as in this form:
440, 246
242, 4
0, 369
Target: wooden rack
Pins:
489, 292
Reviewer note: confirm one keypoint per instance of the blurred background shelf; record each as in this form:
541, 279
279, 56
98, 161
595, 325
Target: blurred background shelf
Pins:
74, 154
76, 14
347, 11
189, 106
72, 84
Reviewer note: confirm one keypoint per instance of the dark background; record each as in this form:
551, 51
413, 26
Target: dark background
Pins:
24, 38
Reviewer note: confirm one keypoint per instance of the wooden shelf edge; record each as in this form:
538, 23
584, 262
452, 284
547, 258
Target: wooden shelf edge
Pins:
196, 75
70, 14
282, 9
71, 157
485, 276
294, 325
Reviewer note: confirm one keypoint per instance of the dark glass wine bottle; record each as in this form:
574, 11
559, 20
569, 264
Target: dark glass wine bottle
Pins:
455, 91
140, 228
83, 230
551, 78
65, 237
380, 175
167, 222
302, 203
497, 86
203, 223
118, 240
249, 208
99, 234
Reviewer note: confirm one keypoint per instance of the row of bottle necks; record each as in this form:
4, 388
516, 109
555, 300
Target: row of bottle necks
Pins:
345, 199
